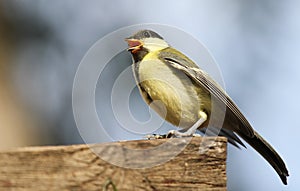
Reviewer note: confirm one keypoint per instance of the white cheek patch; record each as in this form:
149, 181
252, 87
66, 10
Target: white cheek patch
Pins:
154, 44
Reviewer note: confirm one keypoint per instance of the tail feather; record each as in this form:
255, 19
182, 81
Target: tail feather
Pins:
231, 137
267, 151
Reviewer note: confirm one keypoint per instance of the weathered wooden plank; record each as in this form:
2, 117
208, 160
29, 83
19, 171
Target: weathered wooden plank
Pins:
128, 165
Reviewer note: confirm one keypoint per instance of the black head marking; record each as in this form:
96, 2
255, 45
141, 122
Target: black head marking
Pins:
145, 34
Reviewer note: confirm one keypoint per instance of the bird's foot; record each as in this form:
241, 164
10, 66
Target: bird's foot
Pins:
156, 136
190, 132
172, 134
178, 134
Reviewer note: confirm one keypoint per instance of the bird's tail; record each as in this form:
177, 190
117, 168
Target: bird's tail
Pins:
267, 151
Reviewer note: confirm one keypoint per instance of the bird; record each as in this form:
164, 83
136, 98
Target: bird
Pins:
187, 97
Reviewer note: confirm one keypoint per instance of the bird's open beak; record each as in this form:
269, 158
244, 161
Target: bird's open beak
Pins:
134, 45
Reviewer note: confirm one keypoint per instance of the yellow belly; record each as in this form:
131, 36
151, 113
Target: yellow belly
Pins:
175, 97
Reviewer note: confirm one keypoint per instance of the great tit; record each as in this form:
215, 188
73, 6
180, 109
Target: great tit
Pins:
182, 93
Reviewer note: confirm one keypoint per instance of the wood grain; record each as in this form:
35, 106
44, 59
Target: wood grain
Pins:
128, 165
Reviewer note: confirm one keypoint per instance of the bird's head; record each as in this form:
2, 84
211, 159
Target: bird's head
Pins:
145, 39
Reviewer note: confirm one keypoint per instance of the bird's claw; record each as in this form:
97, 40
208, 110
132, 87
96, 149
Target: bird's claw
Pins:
178, 134
171, 134
155, 136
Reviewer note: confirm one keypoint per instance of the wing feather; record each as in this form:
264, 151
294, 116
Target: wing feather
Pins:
204, 80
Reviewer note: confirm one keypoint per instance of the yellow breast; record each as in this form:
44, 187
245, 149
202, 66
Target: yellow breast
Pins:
176, 97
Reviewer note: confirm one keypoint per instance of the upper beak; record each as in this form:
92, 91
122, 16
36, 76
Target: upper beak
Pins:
134, 45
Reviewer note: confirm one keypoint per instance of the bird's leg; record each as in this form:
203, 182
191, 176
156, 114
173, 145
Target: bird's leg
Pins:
191, 131
188, 133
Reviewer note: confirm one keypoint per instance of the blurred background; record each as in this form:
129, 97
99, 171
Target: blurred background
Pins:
256, 44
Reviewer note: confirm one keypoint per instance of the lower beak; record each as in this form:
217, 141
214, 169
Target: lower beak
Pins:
134, 45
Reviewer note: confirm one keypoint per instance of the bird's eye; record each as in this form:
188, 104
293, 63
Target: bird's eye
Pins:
146, 34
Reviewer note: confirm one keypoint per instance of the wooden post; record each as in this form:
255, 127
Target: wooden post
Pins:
201, 165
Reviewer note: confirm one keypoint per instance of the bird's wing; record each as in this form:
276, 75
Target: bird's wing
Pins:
180, 62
